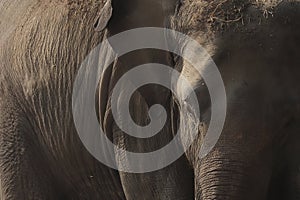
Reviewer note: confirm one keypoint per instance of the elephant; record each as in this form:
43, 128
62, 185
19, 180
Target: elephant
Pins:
254, 44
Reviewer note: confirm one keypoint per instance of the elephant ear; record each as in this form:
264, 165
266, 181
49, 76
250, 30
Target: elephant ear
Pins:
104, 16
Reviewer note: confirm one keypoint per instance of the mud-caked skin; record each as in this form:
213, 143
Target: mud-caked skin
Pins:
255, 44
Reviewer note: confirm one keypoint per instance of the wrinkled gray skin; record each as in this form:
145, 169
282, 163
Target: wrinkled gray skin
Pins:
257, 157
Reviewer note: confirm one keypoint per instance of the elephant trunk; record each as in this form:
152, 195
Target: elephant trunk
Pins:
231, 177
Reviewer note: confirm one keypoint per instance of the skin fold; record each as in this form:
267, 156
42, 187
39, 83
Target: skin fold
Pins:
255, 45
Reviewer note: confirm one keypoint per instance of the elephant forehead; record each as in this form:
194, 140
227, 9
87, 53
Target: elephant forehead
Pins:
221, 15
